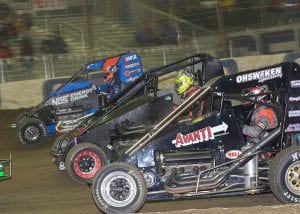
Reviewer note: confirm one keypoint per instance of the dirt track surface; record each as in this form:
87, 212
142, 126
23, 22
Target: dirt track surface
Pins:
37, 186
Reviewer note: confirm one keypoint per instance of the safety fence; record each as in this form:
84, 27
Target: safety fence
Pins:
60, 65
53, 38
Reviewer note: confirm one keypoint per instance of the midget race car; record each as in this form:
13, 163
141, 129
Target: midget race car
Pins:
210, 156
99, 139
79, 97
6, 168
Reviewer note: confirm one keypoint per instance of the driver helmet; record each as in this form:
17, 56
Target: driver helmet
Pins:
258, 93
109, 72
183, 82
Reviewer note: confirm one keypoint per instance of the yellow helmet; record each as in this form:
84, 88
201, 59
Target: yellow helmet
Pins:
183, 82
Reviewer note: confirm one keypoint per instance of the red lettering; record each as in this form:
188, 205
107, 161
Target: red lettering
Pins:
196, 135
204, 136
179, 139
210, 136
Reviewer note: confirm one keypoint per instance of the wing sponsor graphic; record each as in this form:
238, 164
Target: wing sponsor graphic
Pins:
295, 127
294, 99
78, 95
295, 83
261, 76
294, 113
200, 135
130, 57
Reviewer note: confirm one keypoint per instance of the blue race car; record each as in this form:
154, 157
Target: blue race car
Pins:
79, 97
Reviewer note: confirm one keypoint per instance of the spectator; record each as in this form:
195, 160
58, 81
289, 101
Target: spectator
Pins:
145, 35
58, 45
140, 37
45, 46
26, 54
5, 51
23, 24
54, 45
169, 35
7, 19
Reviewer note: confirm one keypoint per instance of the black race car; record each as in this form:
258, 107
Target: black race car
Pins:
79, 97
177, 158
99, 140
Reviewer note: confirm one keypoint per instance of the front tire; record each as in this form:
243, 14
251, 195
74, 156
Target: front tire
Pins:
31, 132
83, 161
284, 175
119, 188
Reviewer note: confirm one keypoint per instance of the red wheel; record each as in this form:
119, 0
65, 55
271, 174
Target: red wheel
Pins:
86, 163
83, 161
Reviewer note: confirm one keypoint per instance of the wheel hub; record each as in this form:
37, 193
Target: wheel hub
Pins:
120, 189
293, 178
32, 133
86, 163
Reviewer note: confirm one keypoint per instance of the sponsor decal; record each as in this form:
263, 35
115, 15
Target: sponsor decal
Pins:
295, 84
200, 135
293, 127
168, 98
128, 73
59, 100
291, 198
261, 76
294, 113
296, 156
233, 154
296, 99
131, 79
135, 64
130, 58
70, 97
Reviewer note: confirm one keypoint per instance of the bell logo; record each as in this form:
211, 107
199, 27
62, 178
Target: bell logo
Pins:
233, 154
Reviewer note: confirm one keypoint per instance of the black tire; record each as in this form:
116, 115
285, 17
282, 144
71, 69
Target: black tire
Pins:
130, 194
54, 150
284, 175
83, 161
54, 146
31, 132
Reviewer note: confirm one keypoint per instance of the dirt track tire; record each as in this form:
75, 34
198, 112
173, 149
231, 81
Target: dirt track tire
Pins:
56, 142
284, 175
31, 132
119, 188
83, 161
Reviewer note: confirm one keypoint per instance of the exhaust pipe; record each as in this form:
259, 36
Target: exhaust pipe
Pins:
211, 183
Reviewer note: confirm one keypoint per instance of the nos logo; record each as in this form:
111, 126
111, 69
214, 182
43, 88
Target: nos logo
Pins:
60, 100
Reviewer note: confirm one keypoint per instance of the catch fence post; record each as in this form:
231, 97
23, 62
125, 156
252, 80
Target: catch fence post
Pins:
45, 66
164, 55
2, 70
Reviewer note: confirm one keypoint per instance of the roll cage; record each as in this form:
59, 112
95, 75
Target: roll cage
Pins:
145, 84
227, 89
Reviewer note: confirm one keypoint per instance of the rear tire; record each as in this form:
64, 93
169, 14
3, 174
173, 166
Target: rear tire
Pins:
119, 188
83, 161
31, 132
284, 175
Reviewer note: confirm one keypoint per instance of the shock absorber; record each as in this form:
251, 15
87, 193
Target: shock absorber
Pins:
250, 171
